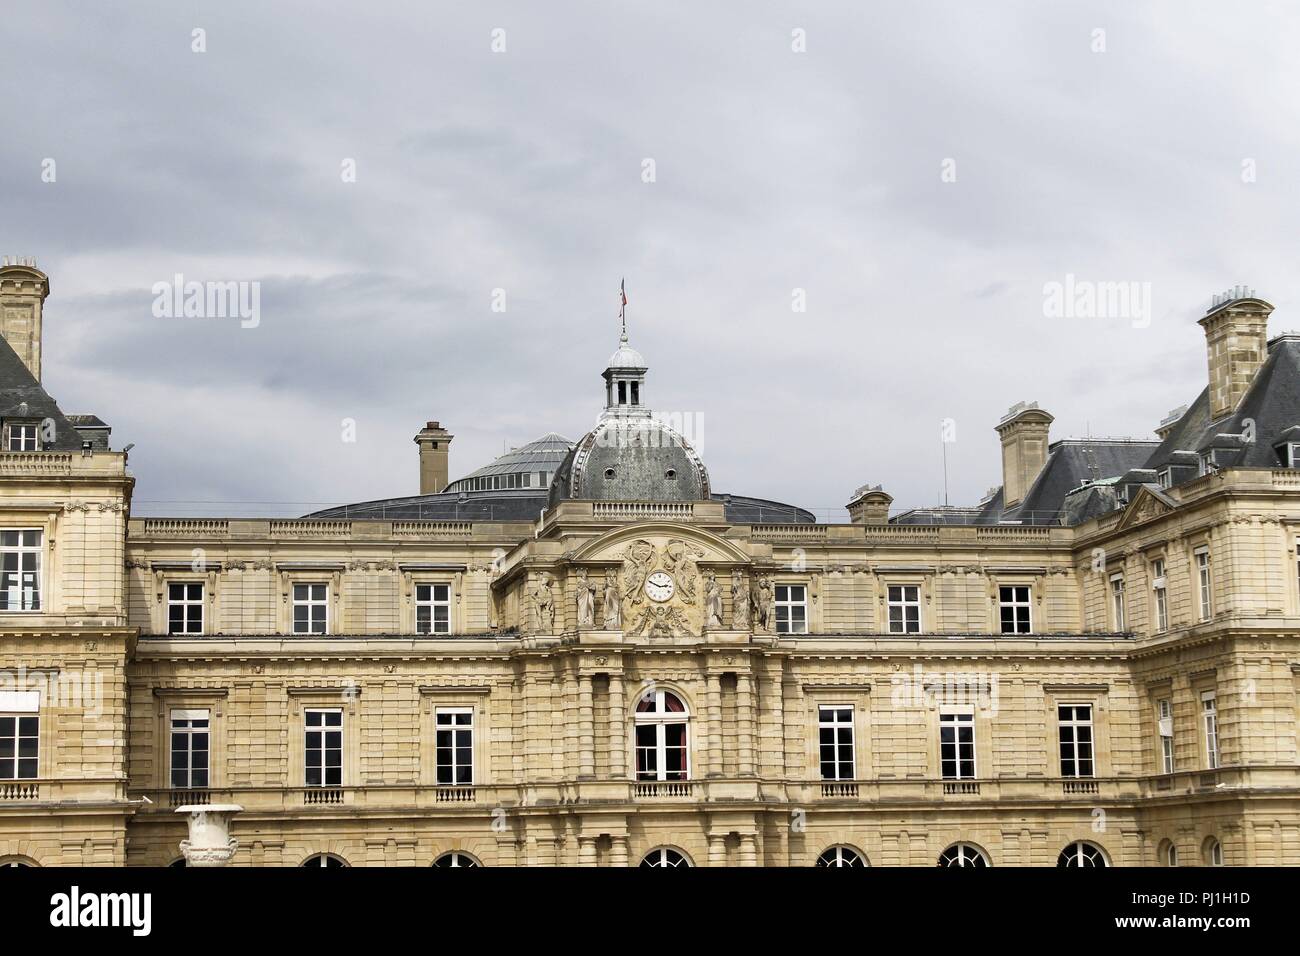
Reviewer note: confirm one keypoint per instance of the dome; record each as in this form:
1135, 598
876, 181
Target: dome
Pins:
626, 357
528, 466
625, 459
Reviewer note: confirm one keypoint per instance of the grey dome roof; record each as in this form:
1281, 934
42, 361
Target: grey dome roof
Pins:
626, 357
631, 459
538, 459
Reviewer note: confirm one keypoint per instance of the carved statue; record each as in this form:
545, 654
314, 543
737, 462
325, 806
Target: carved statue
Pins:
765, 603
544, 599
661, 621
679, 561
613, 608
636, 565
712, 601
586, 600
740, 617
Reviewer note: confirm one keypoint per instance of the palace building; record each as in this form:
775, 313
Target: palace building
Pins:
583, 653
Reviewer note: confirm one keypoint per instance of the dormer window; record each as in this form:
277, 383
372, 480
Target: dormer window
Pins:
1166, 478
1289, 454
23, 436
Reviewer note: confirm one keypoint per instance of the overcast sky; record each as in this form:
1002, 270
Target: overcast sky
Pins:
1169, 157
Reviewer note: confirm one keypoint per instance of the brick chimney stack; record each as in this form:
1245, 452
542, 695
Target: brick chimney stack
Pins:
1236, 344
434, 441
23, 289
1023, 430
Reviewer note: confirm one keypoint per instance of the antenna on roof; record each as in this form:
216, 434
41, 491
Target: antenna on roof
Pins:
943, 441
622, 308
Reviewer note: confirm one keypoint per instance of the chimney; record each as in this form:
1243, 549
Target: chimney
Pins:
1023, 431
870, 505
23, 289
1236, 344
433, 440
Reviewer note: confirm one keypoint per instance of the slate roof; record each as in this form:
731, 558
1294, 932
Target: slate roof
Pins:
1070, 464
18, 386
1272, 403
543, 454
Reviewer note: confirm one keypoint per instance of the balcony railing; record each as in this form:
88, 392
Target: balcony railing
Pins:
653, 789
320, 796
961, 787
455, 795
185, 798
839, 791
1080, 786
17, 790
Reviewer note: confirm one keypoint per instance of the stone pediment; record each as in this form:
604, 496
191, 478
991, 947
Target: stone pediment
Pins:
610, 546
660, 578
1148, 503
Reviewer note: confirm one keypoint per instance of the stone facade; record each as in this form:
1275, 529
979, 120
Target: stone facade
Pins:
610, 681
553, 705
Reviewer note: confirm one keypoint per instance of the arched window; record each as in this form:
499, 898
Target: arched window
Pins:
1213, 852
456, 858
17, 861
1081, 854
1169, 853
661, 737
841, 856
665, 856
963, 854
324, 859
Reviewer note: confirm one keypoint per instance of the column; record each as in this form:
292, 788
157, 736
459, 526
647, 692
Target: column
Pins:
745, 715
717, 849
617, 733
618, 851
713, 700
748, 849
586, 851
586, 732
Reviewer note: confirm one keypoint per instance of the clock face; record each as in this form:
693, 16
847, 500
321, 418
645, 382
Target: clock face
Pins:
659, 586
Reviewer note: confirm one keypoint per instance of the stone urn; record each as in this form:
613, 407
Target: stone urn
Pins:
210, 842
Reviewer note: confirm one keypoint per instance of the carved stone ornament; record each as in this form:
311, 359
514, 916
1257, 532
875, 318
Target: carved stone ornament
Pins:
544, 602
586, 599
210, 842
613, 616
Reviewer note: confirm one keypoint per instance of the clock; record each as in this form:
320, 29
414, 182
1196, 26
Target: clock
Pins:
659, 586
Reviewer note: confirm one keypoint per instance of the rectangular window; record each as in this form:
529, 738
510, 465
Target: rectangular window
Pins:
1165, 728
957, 746
1075, 721
1165, 477
1013, 605
835, 737
791, 609
1203, 582
454, 733
904, 609
324, 748
19, 746
185, 608
1160, 593
190, 749
20, 570
310, 608
1117, 602
433, 609
24, 436
1210, 716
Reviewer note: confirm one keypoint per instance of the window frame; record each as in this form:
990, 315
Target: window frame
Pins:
322, 748
1160, 594
1165, 712
37, 551
837, 729
1073, 768
189, 716
433, 603
789, 605
24, 425
959, 718
1210, 728
1118, 610
1015, 605
658, 720
309, 603
903, 603
14, 763
456, 729
1204, 583
187, 604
